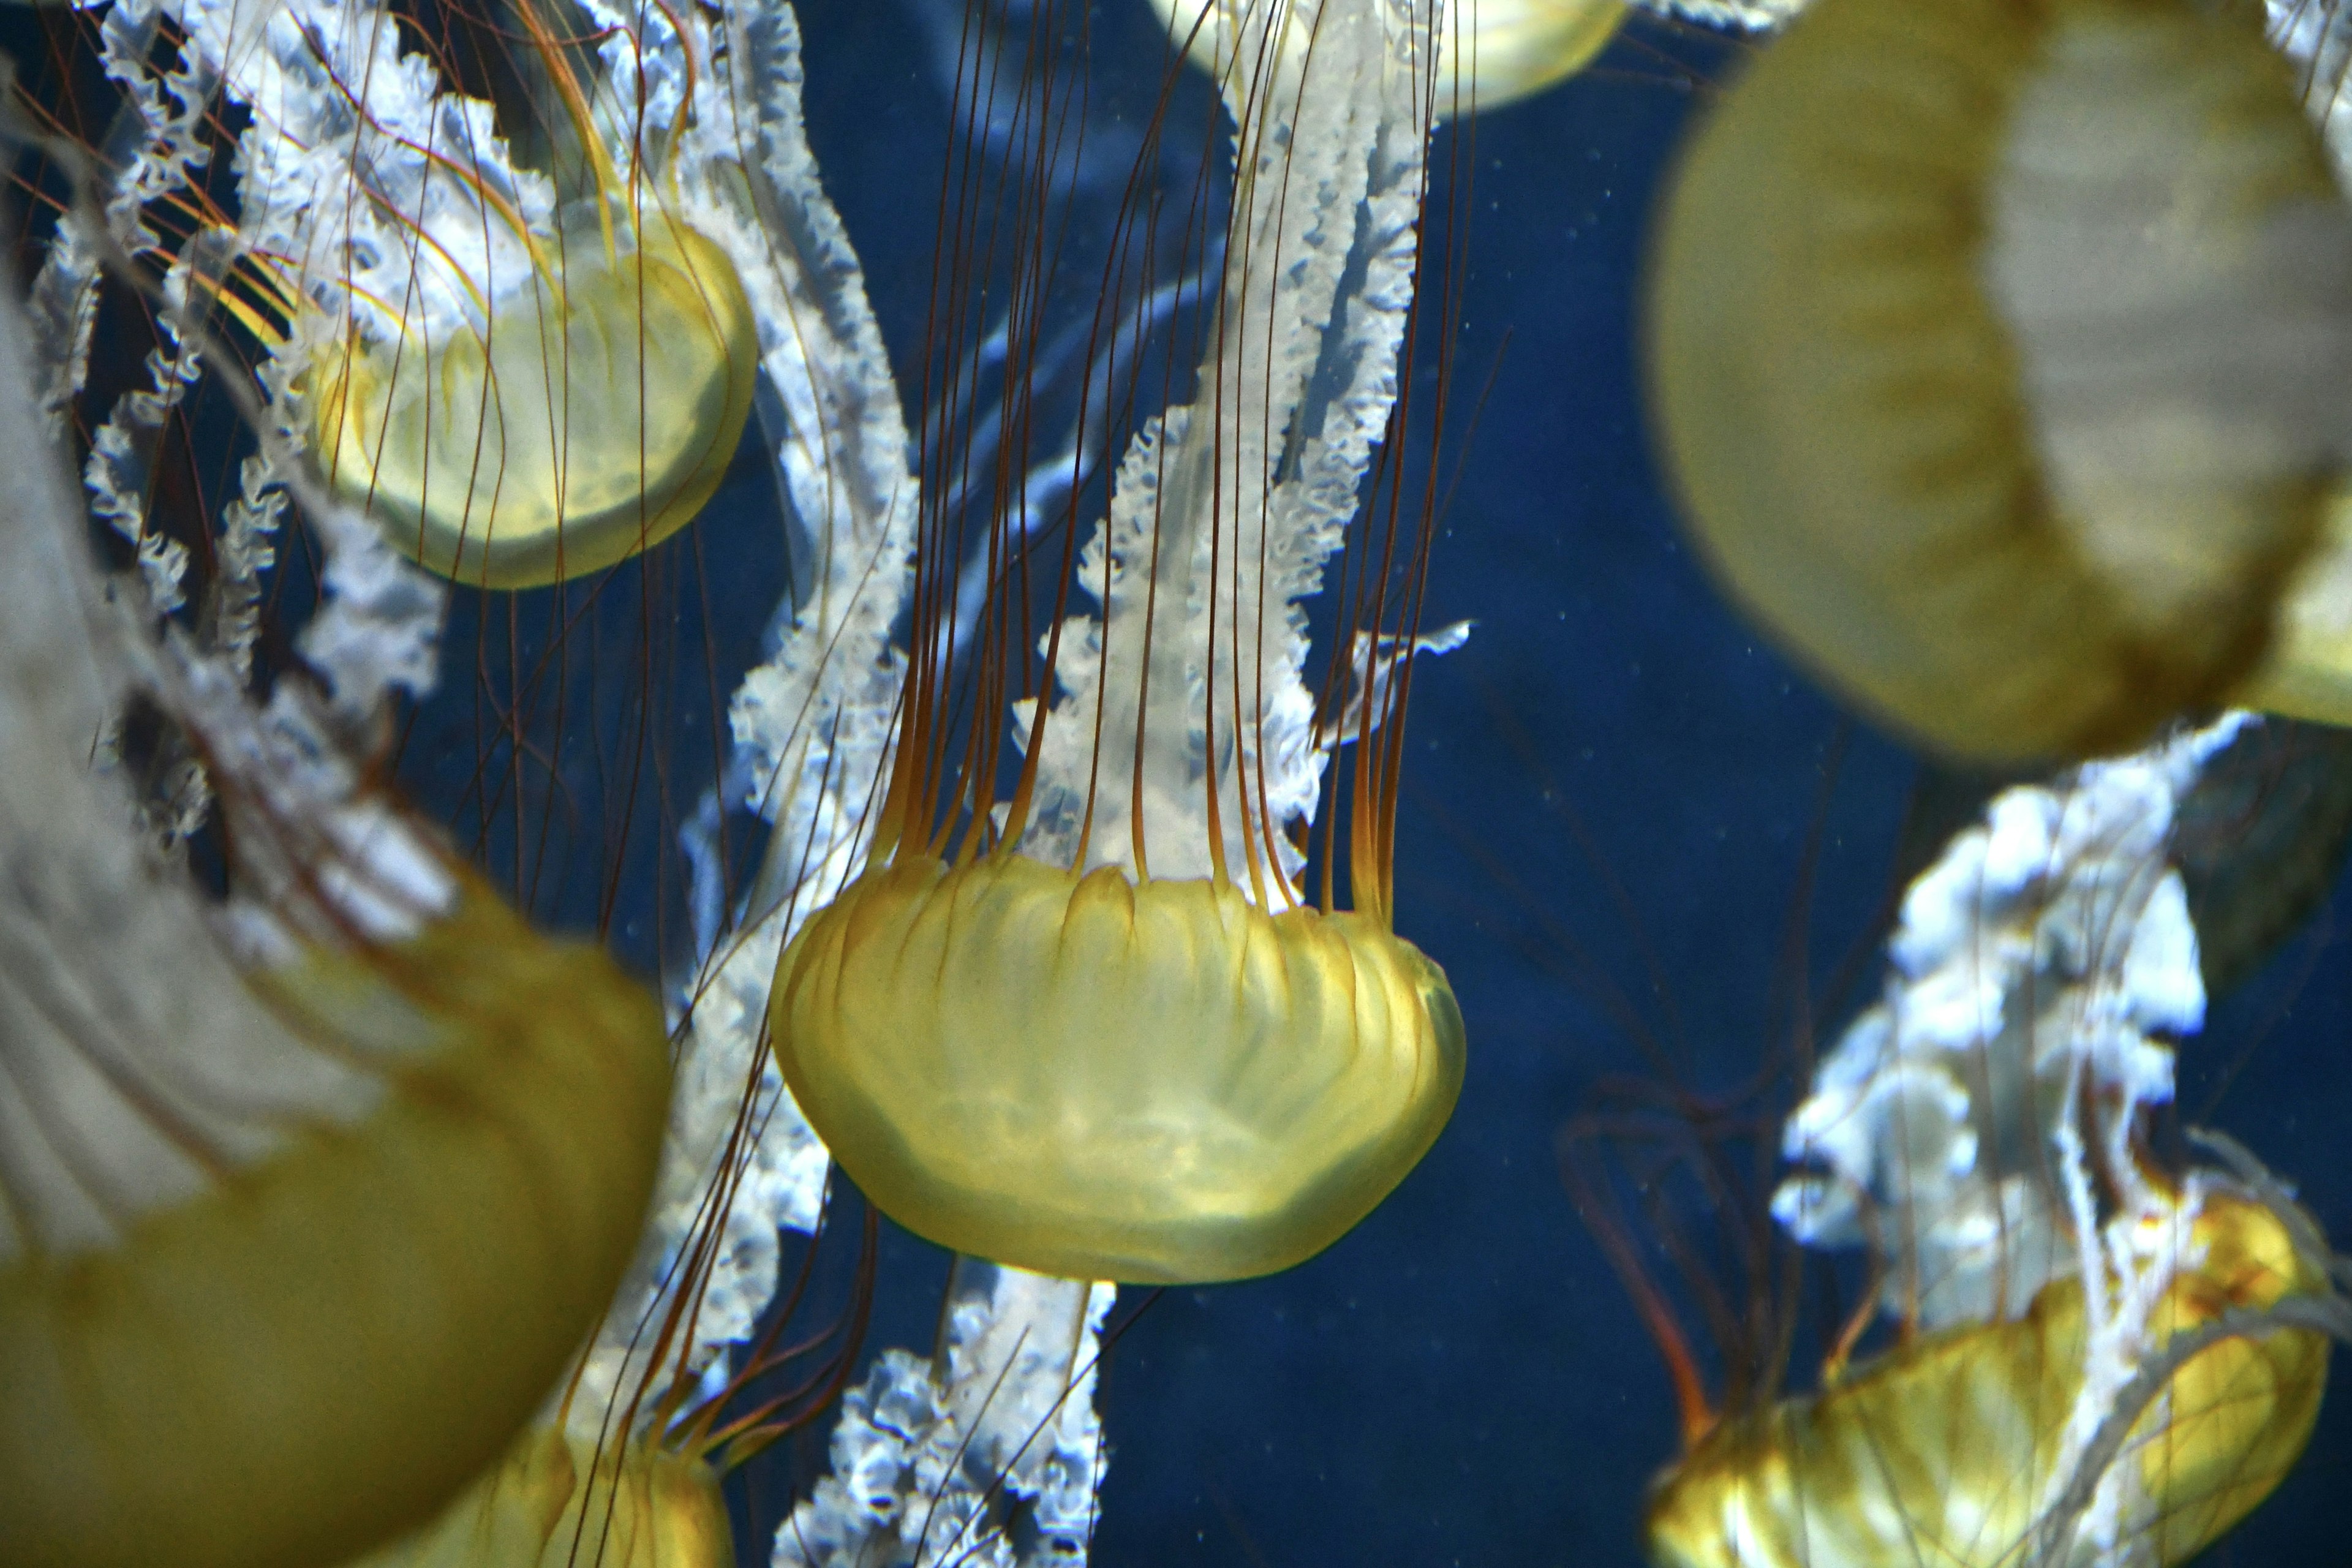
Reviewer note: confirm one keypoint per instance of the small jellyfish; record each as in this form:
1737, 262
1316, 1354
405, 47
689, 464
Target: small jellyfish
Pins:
2090, 1356
1952, 1447
569, 421
1495, 51
1997, 353
523, 373
1080, 1013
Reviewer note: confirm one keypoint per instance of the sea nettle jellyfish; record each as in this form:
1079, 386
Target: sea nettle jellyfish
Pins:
2090, 1354
193, 226
1501, 50
1999, 353
311, 1184
526, 359
1081, 1013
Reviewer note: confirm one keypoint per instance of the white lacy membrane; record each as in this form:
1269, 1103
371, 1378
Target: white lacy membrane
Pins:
2177, 352
138, 1065
352, 143
320, 176
1268, 465
2047, 950
925, 1468
1965, 1128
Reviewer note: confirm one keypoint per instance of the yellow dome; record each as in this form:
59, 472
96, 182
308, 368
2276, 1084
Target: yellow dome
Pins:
1082, 1076
1948, 1450
322, 1346
643, 1509
591, 420
1495, 52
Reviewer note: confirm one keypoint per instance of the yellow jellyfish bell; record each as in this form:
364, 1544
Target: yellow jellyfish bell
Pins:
581, 404
305, 1198
1098, 1077
1999, 354
556, 1502
1090, 1024
1498, 51
351, 1325
589, 418
1950, 1448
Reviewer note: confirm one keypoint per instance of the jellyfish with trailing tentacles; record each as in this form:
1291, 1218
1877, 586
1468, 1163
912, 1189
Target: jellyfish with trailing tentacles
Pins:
2096, 1357
1080, 1013
515, 348
1999, 356
310, 1189
620, 1464
242, 127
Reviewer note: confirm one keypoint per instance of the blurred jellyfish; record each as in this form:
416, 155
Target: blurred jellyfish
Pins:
1983, 1131
1999, 356
307, 1188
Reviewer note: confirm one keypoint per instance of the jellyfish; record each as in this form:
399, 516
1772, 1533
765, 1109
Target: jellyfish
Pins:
517, 349
310, 1189
1500, 50
1960, 1438
641, 1370
504, 330
2097, 1356
2006, 403
1086, 1019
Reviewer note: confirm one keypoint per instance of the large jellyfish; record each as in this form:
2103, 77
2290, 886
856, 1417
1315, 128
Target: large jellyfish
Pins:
1999, 355
1086, 1019
309, 1190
